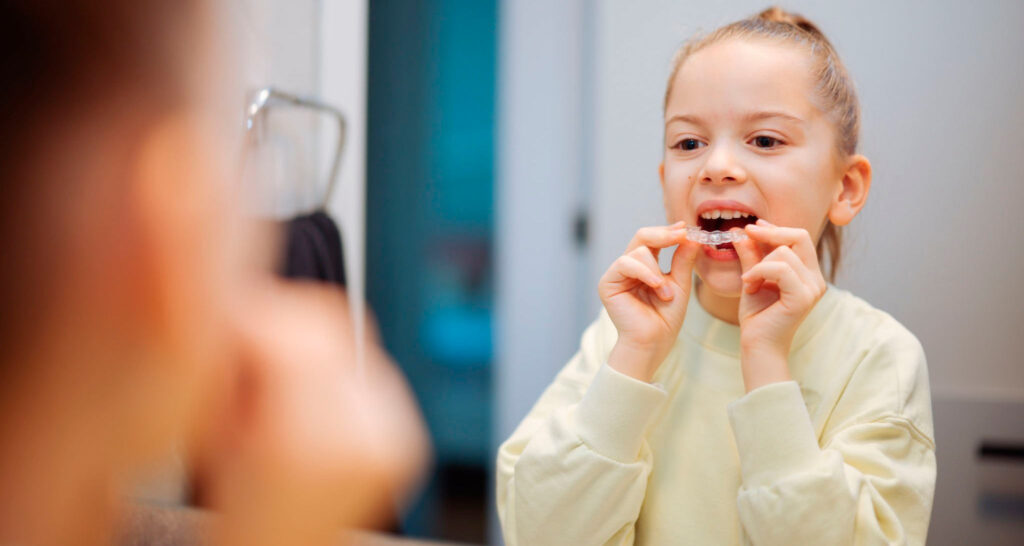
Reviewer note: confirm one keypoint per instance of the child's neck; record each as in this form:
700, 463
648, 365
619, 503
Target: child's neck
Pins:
721, 307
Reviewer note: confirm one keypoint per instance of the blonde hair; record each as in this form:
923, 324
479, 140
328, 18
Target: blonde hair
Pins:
834, 86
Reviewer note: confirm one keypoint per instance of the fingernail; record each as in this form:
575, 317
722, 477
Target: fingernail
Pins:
752, 226
665, 292
763, 222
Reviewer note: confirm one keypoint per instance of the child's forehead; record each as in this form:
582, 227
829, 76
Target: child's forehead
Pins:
740, 75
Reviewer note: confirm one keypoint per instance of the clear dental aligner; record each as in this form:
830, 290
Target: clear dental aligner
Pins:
716, 237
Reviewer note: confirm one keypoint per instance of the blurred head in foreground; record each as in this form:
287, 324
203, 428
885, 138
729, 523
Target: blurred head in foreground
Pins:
131, 299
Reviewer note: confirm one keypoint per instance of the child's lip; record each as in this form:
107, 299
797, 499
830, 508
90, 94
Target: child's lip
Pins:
726, 255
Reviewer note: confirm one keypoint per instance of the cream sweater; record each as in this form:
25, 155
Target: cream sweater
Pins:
843, 454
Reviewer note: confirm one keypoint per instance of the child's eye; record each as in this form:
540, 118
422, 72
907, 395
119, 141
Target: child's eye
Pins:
764, 141
689, 144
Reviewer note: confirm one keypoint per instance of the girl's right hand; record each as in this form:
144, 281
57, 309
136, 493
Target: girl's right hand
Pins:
646, 305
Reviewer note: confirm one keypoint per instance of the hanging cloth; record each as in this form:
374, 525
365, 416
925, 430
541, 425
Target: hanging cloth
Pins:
313, 249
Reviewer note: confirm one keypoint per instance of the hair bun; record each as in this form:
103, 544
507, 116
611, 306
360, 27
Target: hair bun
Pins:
775, 14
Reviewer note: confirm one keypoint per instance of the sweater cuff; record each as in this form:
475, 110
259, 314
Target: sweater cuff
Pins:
773, 432
613, 415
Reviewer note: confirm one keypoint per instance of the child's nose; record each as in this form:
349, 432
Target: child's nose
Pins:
722, 166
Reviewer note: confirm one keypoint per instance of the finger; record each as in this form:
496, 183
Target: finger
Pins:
787, 255
658, 237
748, 251
797, 238
805, 251
682, 263
646, 256
782, 275
627, 267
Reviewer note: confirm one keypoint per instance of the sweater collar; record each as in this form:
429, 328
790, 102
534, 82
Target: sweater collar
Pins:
724, 337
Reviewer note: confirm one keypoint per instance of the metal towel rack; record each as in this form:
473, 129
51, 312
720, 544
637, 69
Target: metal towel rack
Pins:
264, 99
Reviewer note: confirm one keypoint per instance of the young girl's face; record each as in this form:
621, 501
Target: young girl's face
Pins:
744, 132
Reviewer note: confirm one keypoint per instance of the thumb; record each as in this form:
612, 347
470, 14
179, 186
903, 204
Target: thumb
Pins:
682, 263
748, 252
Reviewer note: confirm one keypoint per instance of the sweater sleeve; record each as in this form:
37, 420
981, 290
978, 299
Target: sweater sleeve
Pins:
872, 479
575, 470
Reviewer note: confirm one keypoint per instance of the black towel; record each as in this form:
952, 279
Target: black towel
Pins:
313, 249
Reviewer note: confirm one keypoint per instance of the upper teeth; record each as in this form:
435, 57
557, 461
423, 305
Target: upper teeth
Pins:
724, 214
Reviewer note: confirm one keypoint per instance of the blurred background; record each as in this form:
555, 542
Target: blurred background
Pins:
500, 154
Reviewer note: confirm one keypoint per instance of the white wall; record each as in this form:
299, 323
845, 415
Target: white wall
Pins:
281, 40
284, 41
343, 27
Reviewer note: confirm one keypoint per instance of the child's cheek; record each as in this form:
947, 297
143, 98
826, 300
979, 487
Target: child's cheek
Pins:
675, 193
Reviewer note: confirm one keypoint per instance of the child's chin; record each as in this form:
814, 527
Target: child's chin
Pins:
722, 282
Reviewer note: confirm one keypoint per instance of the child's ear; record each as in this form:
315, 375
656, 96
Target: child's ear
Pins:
167, 208
661, 174
852, 192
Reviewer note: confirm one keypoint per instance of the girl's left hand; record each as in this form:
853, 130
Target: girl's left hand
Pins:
782, 281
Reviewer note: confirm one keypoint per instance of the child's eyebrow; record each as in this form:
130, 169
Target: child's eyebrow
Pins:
749, 117
685, 118
759, 116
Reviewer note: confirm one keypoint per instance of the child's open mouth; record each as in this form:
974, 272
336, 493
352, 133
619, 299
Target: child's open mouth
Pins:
724, 220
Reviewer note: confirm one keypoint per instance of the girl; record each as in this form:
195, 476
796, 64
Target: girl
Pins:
757, 403
134, 316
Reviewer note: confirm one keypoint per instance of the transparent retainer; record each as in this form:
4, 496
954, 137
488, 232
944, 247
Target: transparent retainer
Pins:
716, 237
